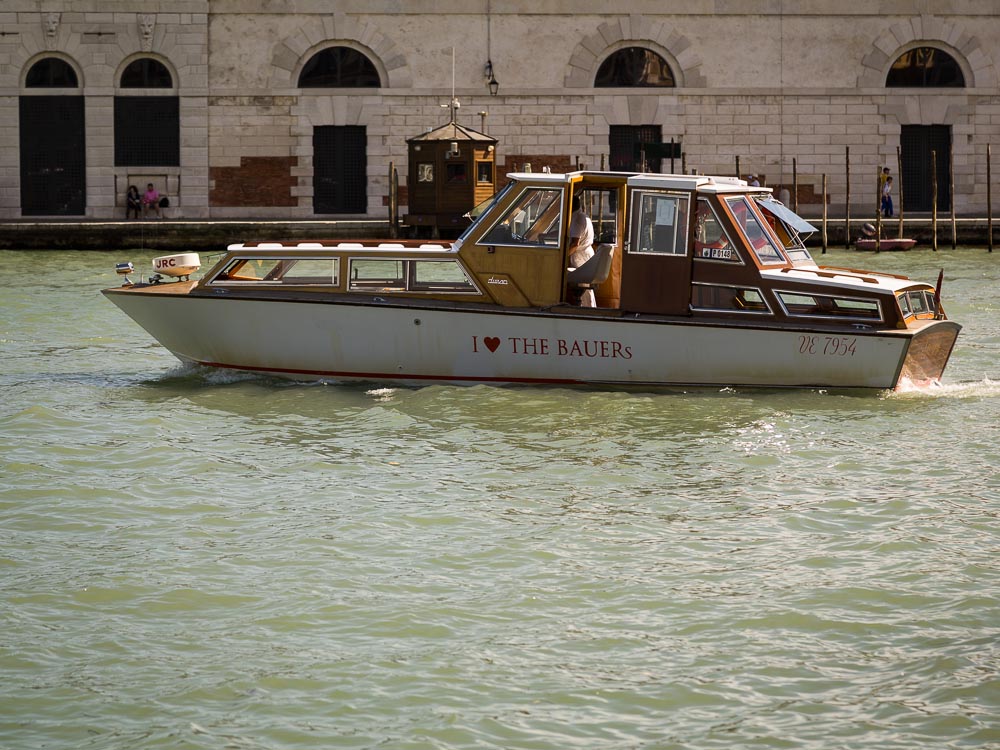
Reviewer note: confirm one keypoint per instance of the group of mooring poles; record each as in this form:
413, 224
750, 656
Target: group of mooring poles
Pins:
394, 197
901, 199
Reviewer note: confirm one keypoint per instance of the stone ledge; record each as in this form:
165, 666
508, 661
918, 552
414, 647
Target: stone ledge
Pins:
155, 234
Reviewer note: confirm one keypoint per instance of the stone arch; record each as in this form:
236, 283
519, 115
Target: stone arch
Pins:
634, 31
310, 54
32, 60
663, 54
129, 59
927, 31
37, 58
338, 30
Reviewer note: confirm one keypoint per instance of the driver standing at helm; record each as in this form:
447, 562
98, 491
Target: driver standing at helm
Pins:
581, 240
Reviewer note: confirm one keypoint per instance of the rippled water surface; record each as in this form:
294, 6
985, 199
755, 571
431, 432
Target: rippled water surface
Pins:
191, 560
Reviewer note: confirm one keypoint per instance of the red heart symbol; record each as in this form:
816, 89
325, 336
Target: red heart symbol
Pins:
492, 342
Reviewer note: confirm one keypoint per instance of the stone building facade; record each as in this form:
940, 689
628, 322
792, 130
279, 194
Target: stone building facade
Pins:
296, 108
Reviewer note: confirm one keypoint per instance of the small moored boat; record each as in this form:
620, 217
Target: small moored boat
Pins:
696, 280
885, 245
871, 241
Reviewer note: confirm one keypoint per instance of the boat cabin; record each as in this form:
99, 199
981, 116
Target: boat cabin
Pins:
696, 247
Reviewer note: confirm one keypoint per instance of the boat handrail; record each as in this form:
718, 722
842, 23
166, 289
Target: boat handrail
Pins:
870, 273
829, 272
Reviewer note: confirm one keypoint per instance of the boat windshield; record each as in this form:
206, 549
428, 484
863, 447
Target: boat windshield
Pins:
761, 241
482, 208
533, 220
789, 226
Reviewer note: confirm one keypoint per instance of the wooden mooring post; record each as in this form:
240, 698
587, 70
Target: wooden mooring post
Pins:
795, 186
899, 172
951, 195
989, 197
824, 213
934, 196
847, 202
878, 210
393, 201
739, 174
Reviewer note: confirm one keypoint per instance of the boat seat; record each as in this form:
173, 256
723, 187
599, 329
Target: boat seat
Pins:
593, 273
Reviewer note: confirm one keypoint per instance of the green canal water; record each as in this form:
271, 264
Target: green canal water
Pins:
192, 560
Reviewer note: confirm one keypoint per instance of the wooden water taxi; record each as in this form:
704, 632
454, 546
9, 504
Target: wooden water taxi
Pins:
697, 281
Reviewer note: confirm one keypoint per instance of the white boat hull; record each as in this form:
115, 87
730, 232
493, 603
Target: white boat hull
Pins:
404, 344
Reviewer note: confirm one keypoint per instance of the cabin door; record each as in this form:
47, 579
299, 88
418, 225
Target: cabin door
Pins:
656, 265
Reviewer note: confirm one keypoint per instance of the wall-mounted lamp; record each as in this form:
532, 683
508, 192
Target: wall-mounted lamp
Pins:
491, 80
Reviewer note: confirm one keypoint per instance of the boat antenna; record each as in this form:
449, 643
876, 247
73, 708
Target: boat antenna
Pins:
454, 103
454, 100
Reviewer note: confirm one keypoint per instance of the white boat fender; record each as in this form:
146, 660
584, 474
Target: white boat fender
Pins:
183, 264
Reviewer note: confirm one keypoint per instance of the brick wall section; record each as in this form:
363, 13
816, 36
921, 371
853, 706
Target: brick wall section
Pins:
258, 181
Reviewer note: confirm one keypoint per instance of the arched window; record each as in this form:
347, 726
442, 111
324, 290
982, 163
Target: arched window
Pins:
53, 142
147, 125
51, 73
634, 66
146, 73
339, 67
925, 66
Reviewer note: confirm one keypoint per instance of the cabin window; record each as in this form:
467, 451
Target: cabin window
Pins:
764, 246
409, 275
601, 205
917, 303
533, 220
484, 172
455, 173
711, 242
661, 227
291, 271
425, 172
805, 304
723, 298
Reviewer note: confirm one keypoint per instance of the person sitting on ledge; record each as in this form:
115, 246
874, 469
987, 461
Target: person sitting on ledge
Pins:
151, 202
133, 202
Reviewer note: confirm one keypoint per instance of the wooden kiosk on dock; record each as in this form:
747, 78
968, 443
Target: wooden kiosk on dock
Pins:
452, 170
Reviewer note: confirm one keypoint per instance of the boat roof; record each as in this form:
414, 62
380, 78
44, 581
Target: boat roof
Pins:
705, 183
843, 278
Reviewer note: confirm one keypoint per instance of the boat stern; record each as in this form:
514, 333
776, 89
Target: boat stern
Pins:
928, 353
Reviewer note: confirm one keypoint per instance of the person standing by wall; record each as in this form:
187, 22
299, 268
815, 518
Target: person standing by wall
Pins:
887, 197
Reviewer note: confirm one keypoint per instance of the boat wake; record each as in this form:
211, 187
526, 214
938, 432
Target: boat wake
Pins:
985, 388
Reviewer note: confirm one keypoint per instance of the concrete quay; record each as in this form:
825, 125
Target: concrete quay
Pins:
175, 234
181, 234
